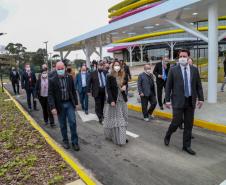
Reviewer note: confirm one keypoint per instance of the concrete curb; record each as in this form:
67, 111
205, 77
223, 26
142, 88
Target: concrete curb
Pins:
66, 156
199, 123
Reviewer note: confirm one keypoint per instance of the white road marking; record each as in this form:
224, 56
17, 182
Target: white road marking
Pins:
89, 117
93, 117
223, 183
132, 134
4, 83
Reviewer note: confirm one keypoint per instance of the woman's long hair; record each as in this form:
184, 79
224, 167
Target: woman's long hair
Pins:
120, 74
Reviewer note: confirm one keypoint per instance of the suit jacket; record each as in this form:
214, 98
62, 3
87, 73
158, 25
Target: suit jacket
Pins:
54, 92
158, 71
78, 82
146, 85
94, 84
175, 87
112, 89
14, 78
25, 80
38, 87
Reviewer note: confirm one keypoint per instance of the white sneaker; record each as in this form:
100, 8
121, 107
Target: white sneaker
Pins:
152, 117
146, 119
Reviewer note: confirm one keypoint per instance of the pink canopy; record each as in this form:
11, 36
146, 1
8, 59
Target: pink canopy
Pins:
119, 48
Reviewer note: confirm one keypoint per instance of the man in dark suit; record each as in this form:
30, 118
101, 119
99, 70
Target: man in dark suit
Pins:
81, 85
146, 90
15, 78
96, 85
161, 72
183, 87
28, 82
62, 99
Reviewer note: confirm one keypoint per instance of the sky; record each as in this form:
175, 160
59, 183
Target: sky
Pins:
31, 22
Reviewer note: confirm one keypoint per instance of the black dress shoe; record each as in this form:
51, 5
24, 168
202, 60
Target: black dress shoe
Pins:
192, 137
75, 147
166, 141
66, 145
189, 150
101, 121
127, 140
161, 108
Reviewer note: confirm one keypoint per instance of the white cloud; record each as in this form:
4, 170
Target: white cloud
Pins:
31, 22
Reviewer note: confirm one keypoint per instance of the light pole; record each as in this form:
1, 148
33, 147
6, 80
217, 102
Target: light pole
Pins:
51, 61
46, 43
197, 41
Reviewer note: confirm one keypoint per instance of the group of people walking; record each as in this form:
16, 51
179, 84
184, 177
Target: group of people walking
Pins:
57, 92
108, 84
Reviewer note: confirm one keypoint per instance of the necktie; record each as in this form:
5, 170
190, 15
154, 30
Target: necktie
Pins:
164, 74
186, 89
101, 79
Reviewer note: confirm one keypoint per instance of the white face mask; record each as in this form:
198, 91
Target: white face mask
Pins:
44, 75
183, 61
148, 71
117, 68
28, 69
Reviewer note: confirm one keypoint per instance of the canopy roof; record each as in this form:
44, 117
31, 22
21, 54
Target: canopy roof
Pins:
148, 21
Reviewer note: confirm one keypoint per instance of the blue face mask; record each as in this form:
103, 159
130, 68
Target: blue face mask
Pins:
61, 72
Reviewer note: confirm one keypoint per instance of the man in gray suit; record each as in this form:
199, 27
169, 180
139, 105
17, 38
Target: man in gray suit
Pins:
183, 88
146, 90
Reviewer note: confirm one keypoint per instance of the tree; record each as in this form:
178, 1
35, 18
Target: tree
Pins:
11, 48
17, 50
39, 57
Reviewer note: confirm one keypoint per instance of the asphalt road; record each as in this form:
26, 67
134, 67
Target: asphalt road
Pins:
145, 160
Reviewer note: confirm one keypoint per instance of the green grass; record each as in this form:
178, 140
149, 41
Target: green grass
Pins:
220, 79
25, 156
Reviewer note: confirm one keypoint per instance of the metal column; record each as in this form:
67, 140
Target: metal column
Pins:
212, 52
130, 49
141, 54
87, 60
172, 44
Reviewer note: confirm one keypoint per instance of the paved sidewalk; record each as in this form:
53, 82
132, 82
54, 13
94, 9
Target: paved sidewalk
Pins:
215, 113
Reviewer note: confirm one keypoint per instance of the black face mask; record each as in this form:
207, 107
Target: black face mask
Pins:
69, 70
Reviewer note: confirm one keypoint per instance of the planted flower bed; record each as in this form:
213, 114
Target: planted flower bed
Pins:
25, 157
